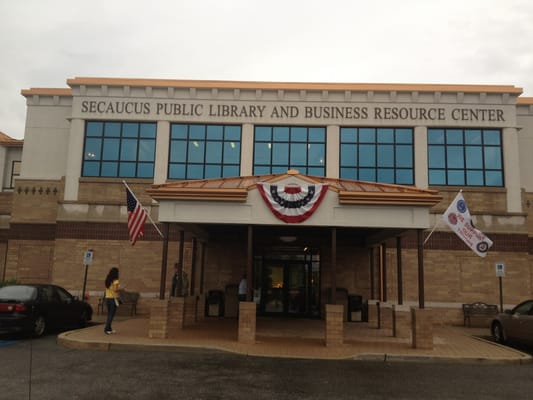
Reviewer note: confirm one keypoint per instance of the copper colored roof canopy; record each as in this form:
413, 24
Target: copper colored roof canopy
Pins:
349, 191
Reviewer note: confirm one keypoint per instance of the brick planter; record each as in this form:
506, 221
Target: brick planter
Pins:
247, 322
422, 322
334, 324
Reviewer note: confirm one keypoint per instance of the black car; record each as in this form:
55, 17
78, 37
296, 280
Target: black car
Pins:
38, 308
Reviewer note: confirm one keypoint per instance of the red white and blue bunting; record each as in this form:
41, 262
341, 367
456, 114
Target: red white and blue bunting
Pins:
292, 203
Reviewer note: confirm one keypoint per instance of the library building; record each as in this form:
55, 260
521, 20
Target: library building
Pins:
386, 204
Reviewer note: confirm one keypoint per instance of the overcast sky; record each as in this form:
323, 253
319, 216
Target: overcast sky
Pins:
45, 42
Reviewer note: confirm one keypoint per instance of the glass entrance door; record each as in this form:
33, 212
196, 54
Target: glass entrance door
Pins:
288, 285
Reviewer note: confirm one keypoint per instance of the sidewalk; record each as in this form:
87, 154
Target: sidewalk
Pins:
298, 338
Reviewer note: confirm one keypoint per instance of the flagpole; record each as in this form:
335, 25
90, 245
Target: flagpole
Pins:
147, 213
431, 233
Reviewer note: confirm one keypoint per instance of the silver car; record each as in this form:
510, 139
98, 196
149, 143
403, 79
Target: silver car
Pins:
515, 324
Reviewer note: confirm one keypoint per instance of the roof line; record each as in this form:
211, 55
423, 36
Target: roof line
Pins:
266, 85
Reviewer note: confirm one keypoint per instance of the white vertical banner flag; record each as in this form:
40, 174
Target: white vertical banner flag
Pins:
458, 218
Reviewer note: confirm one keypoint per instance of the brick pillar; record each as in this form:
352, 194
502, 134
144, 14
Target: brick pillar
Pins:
247, 322
190, 311
176, 314
385, 315
373, 313
402, 321
422, 322
158, 328
334, 324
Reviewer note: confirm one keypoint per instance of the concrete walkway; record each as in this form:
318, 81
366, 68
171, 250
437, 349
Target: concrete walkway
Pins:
298, 338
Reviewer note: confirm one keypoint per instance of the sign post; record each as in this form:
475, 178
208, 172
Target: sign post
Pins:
87, 260
500, 273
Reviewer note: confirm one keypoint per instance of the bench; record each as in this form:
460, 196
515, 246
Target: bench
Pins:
128, 299
478, 309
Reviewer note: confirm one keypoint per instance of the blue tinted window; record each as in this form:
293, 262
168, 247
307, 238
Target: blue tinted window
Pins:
299, 135
94, 129
112, 129
111, 149
470, 157
128, 151
145, 170
367, 155
298, 154
92, 149
213, 154
385, 135
280, 134
130, 130
280, 148
385, 156
280, 153
377, 154
148, 131
114, 149
200, 151
367, 135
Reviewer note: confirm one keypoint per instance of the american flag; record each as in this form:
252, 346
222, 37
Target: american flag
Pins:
136, 217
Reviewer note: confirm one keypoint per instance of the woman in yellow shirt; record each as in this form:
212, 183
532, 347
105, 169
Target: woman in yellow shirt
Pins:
111, 298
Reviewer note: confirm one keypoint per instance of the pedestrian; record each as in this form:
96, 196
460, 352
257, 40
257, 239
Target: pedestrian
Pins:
243, 288
111, 298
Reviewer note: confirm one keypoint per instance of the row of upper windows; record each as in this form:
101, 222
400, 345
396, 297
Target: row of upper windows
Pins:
471, 157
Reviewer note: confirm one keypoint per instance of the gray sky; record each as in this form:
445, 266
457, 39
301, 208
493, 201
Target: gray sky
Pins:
45, 42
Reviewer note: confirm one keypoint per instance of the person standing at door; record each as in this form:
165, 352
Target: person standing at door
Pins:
243, 288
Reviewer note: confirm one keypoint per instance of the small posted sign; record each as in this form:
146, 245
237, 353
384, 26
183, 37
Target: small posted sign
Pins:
500, 270
88, 257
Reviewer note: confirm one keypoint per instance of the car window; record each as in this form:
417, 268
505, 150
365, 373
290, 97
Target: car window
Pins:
524, 308
18, 293
64, 296
48, 294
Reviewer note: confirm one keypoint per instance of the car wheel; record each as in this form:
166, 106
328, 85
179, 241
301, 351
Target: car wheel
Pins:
498, 333
39, 326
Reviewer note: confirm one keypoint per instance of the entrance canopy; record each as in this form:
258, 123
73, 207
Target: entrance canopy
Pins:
295, 199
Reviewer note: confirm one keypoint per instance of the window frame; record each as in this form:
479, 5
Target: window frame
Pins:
369, 145
205, 137
457, 149
290, 138
111, 140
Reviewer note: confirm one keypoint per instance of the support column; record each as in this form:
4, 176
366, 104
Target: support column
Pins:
249, 263
422, 325
399, 269
247, 322
421, 157
247, 149
334, 324
420, 241
74, 155
334, 265
164, 259
161, 152
511, 169
384, 272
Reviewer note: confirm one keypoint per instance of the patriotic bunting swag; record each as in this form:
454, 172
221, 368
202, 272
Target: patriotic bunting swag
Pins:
292, 203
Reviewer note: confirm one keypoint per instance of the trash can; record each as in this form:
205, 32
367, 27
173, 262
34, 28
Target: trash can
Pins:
214, 306
355, 308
